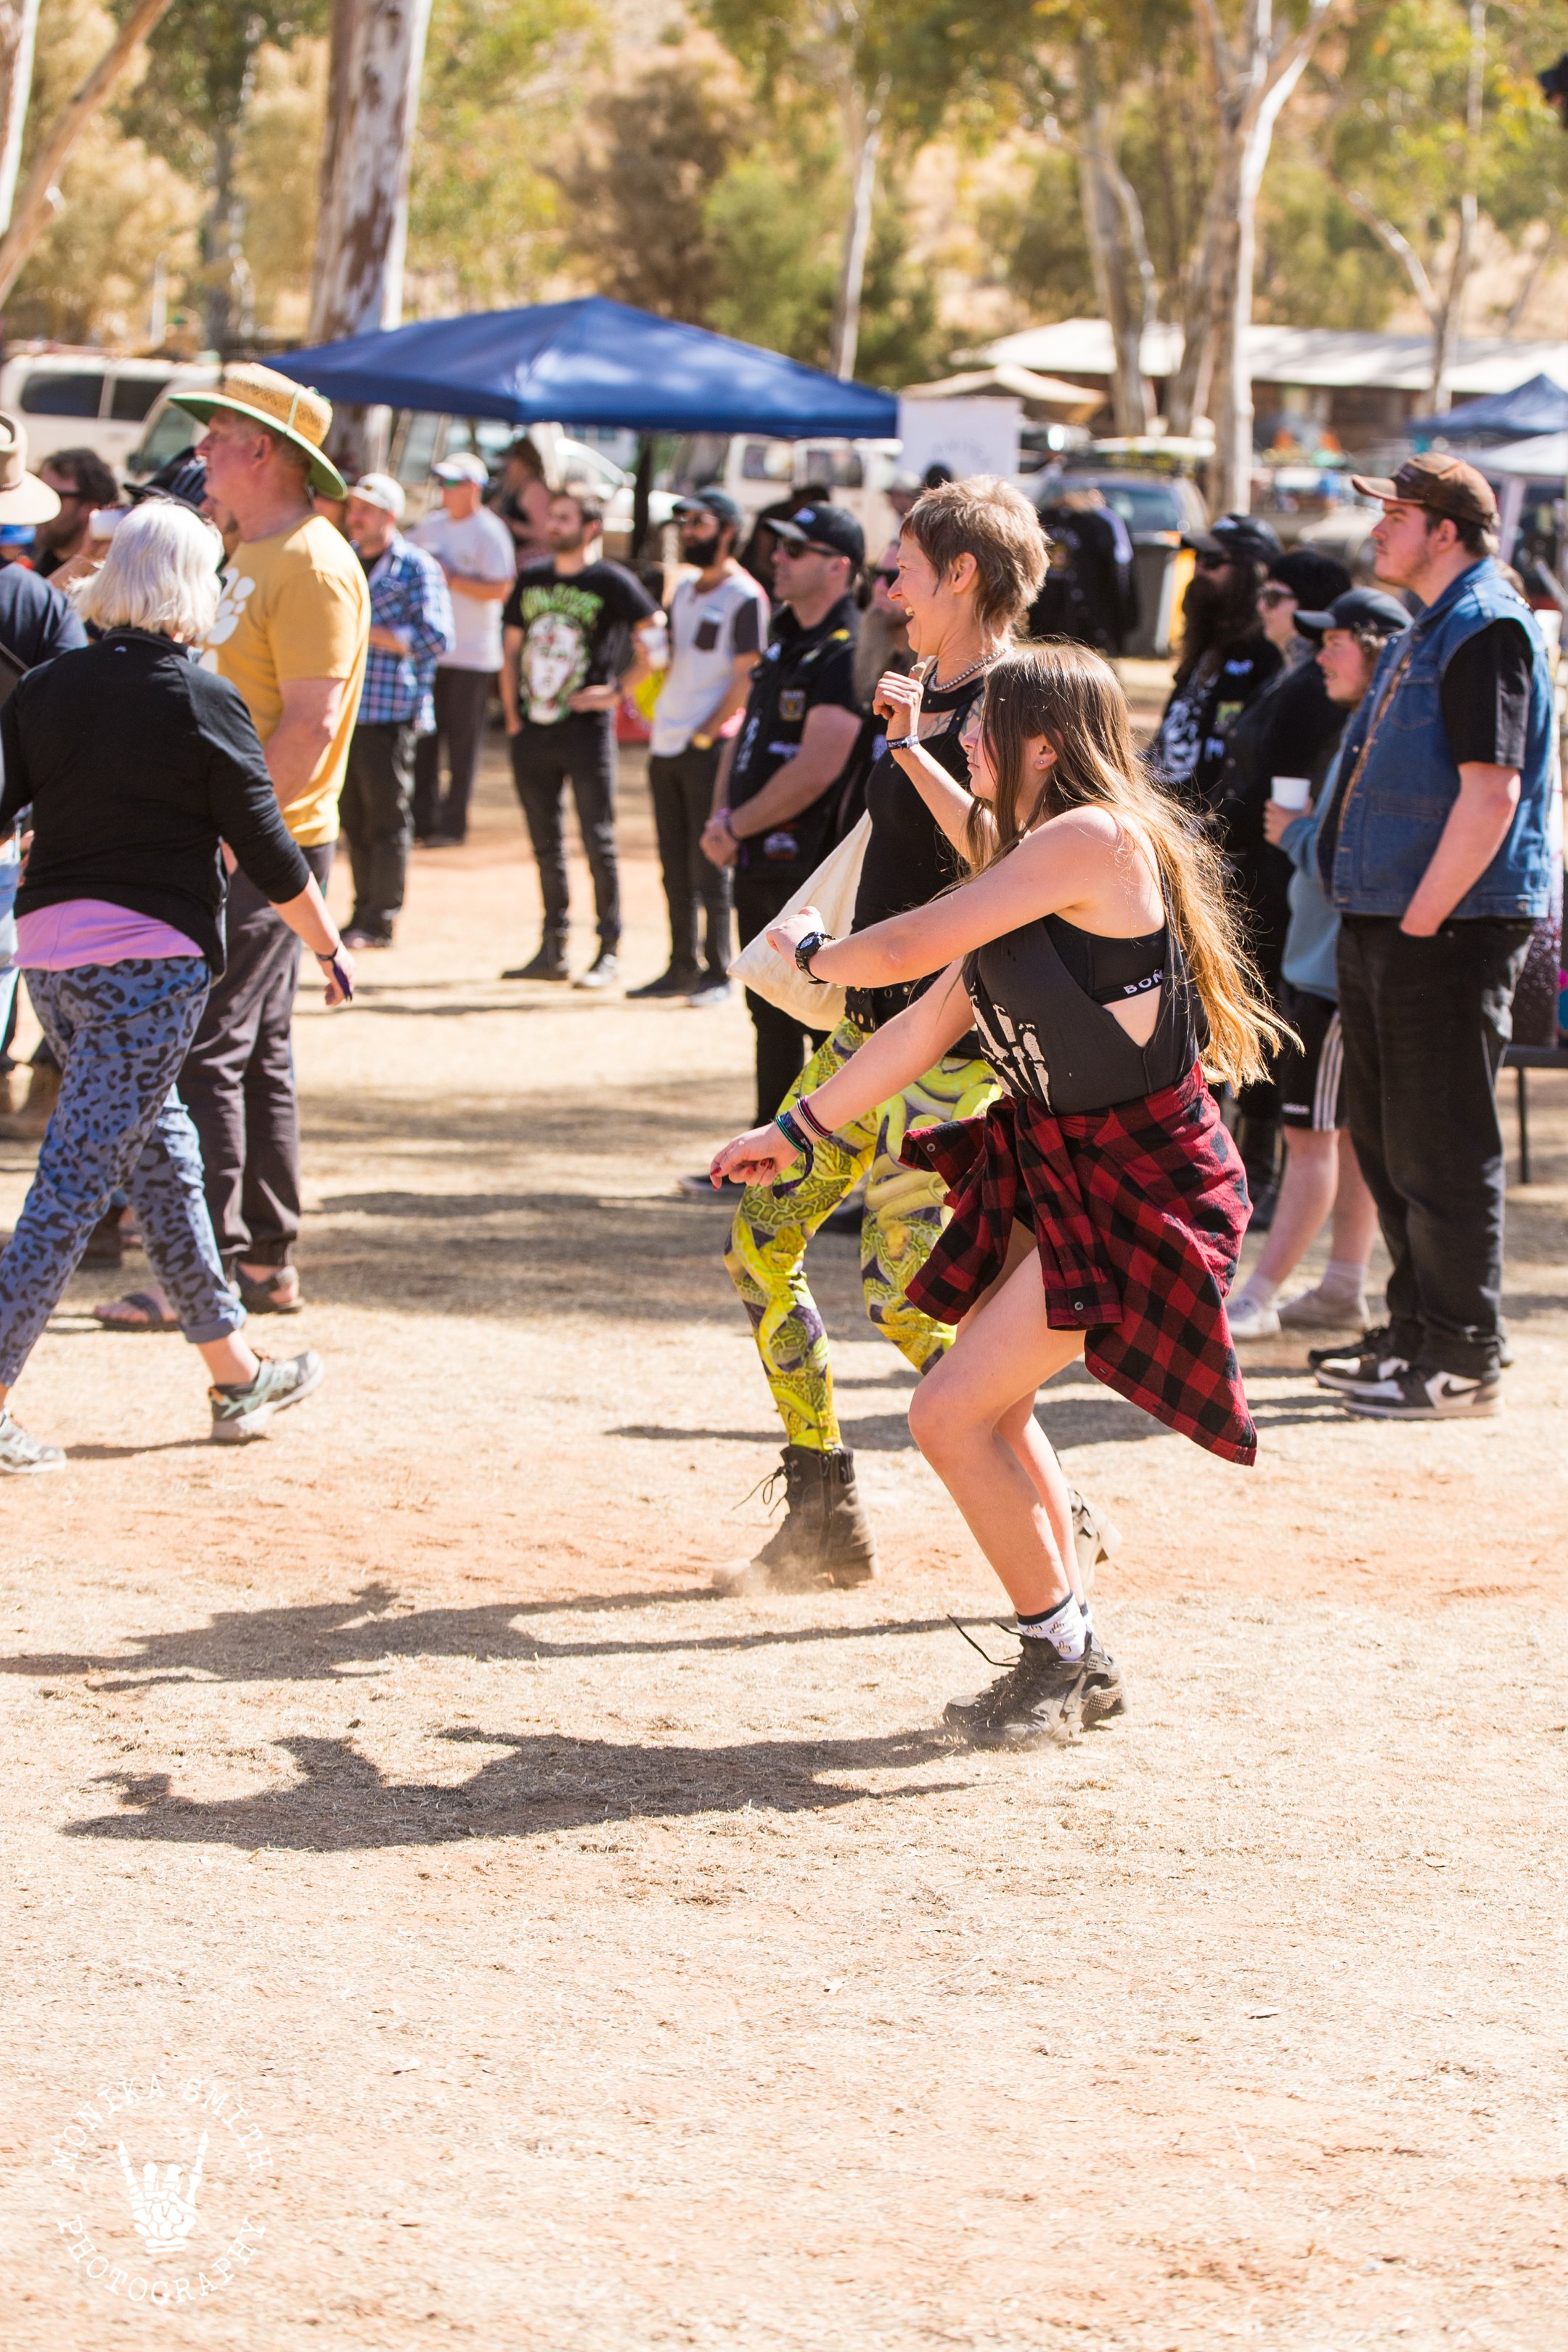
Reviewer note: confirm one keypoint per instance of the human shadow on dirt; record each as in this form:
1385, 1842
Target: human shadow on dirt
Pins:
544, 1783
316, 1642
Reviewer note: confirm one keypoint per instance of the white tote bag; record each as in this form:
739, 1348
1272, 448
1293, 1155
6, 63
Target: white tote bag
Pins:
832, 890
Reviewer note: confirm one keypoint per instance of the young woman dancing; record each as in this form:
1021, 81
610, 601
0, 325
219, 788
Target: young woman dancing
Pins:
1098, 1204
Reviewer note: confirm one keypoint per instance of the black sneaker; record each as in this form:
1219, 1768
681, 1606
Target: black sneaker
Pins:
1429, 1396
1036, 1703
604, 971
1364, 1367
1103, 1693
676, 981
549, 963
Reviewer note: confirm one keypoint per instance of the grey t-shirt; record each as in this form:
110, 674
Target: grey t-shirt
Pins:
707, 628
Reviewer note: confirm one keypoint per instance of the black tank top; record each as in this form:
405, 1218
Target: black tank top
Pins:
1043, 1019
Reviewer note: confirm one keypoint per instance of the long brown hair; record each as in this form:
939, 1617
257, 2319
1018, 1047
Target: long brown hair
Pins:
1072, 697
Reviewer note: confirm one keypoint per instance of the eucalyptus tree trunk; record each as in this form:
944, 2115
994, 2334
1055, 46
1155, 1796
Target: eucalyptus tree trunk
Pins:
1113, 228
1250, 84
373, 96
865, 147
19, 31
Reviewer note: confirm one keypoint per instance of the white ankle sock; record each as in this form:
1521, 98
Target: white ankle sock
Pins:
1063, 1626
1343, 1278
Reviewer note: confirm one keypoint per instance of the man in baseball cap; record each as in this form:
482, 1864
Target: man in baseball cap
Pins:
463, 466
718, 504
1436, 849
1364, 612
823, 531
718, 627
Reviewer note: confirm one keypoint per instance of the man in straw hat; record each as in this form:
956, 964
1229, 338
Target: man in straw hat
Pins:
35, 622
1436, 850
291, 634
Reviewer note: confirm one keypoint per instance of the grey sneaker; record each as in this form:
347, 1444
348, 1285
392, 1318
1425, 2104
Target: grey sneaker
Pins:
22, 1456
238, 1415
1310, 1311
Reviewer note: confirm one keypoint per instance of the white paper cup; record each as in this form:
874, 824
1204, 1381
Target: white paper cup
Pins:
1290, 792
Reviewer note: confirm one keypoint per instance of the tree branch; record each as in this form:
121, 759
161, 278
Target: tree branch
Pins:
1395, 242
34, 210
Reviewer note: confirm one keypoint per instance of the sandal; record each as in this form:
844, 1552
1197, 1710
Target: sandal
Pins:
140, 1310
259, 1295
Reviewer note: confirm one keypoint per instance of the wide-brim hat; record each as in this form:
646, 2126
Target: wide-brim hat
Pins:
23, 497
1444, 485
290, 409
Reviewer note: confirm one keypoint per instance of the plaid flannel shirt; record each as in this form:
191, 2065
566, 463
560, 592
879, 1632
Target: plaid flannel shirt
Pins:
407, 591
1139, 1215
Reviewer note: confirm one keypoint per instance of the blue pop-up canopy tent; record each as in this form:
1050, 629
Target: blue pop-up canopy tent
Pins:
1538, 406
592, 361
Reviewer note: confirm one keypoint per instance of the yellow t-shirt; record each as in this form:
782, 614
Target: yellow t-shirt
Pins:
296, 606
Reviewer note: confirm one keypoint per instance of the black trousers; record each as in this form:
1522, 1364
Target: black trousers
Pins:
462, 698
681, 784
1426, 1022
784, 1044
374, 813
579, 751
238, 1081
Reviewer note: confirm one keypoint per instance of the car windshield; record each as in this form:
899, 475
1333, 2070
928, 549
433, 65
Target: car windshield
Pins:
1143, 506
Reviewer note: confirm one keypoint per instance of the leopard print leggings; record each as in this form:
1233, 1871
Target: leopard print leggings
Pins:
120, 1032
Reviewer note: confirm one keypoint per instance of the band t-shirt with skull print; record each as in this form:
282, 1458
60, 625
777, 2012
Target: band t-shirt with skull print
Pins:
577, 632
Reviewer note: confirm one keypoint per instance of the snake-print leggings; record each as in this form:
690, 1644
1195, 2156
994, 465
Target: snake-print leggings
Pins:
120, 1032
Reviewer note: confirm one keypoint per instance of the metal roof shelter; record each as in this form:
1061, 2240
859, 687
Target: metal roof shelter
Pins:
1328, 357
592, 361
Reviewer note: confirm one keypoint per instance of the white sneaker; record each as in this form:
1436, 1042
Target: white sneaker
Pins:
1249, 1320
1309, 1311
22, 1456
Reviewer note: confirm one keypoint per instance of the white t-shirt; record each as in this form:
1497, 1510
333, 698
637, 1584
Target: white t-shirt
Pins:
707, 630
479, 548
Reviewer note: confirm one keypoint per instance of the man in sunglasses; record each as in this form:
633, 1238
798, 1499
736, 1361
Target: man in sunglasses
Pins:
1224, 659
774, 802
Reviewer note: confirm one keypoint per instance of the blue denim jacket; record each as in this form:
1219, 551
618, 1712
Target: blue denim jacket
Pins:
1394, 811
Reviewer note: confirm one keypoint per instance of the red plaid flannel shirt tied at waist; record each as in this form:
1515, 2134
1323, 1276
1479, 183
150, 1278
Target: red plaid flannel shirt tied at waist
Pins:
1139, 1215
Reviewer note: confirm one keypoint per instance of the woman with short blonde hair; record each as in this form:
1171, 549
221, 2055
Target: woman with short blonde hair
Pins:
138, 766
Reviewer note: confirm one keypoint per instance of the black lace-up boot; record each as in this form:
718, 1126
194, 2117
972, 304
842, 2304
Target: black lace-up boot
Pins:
825, 1539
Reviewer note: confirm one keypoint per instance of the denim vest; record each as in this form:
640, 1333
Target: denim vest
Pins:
1395, 809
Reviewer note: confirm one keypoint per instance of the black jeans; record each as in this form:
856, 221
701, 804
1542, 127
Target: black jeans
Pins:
1425, 1022
681, 784
374, 816
579, 750
462, 698
784, 1044
238, 1081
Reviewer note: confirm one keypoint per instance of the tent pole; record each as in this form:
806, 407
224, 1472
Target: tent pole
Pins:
641, 488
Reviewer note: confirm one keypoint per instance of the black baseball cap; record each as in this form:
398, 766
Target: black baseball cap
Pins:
1240, 538
184, 479
718, 503
1358, 608
825, 526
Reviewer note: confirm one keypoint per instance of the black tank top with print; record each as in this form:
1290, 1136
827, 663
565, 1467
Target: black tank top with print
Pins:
1041, 997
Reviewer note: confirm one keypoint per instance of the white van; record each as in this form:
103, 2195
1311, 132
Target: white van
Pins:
757, 471
90, 399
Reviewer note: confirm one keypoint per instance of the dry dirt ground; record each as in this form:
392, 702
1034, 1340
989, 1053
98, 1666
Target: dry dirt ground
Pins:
555, 1955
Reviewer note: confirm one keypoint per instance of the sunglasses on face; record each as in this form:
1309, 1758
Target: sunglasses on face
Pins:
1211, 562
795, 549
1272, 596
889, 576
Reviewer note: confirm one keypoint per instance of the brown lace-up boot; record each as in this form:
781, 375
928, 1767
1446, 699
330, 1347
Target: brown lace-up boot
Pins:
825, 1540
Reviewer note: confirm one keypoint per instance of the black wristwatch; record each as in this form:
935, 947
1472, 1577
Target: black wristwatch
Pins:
807, 949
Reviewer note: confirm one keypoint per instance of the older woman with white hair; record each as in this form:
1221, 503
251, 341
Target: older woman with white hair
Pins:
138, 766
